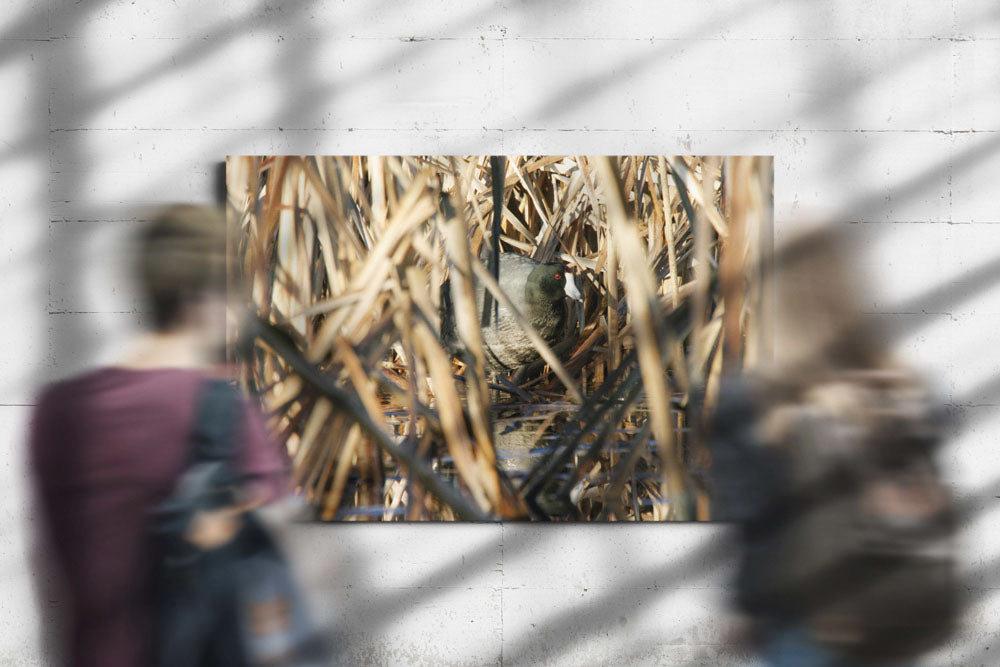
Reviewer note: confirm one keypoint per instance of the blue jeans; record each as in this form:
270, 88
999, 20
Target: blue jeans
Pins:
793, 647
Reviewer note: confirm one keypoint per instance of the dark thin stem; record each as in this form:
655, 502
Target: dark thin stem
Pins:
498, 167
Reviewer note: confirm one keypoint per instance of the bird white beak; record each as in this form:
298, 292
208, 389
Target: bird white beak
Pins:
571, 289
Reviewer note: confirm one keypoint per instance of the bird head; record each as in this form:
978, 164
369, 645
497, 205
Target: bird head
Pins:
554, 282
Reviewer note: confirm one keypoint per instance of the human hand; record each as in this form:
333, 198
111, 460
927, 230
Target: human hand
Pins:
210, 529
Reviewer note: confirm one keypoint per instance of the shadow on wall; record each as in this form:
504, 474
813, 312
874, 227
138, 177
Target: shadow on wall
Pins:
303, 89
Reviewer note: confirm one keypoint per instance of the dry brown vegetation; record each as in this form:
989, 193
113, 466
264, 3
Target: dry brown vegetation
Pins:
344, 258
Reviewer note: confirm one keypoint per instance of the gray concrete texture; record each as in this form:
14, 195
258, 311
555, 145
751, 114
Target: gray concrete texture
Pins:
884, 116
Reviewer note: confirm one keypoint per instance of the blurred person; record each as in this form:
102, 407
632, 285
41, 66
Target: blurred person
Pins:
108, 446
826, 459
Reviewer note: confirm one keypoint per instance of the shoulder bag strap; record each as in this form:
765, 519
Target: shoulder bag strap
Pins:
214, 437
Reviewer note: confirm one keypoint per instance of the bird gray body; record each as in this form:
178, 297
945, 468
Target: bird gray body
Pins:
537, 290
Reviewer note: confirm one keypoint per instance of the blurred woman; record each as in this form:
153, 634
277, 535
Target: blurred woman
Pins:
108, 446
826, 457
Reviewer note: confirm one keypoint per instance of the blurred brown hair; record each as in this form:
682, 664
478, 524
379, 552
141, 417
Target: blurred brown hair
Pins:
180, 257
818, 290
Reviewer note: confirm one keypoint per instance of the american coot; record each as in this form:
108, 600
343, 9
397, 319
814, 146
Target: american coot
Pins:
538, 291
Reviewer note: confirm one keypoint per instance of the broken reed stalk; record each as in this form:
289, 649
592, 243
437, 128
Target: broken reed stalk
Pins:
731, 266
345, 402
468, 324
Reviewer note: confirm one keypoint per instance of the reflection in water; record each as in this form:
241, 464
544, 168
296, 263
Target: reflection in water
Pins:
520, 441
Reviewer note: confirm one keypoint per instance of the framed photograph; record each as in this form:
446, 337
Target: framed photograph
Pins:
455, 338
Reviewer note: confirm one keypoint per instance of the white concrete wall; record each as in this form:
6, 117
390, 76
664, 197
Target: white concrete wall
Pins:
883, 114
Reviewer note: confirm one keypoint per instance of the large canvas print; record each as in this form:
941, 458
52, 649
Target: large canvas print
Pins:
454, 338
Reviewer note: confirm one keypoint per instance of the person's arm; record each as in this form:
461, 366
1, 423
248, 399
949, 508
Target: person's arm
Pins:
262, 464
741, 474
263, 471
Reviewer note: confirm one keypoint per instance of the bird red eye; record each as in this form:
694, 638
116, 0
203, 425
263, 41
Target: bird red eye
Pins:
558, 276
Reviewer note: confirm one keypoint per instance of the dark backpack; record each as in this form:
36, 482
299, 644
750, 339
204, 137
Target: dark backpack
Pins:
237, 604
852, 538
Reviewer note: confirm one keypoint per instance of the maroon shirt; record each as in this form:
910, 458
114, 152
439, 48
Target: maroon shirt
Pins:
106, 448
